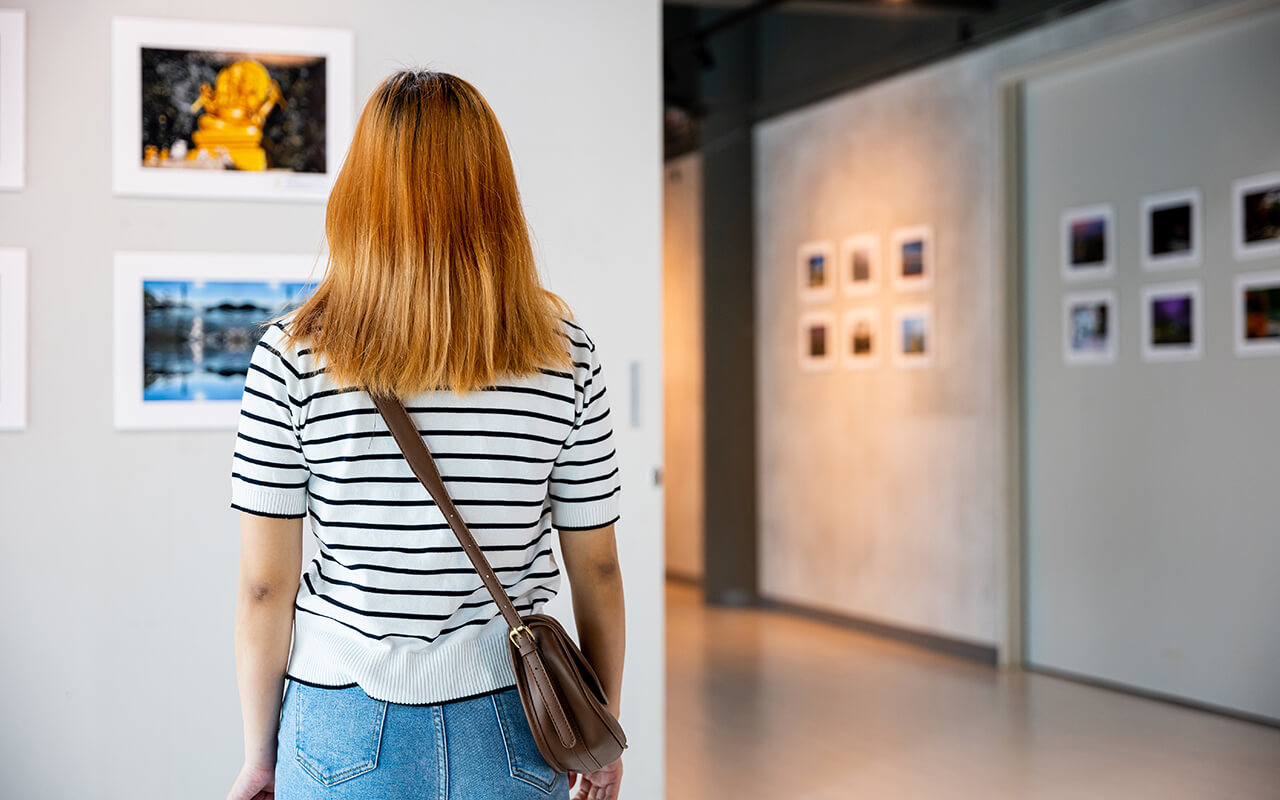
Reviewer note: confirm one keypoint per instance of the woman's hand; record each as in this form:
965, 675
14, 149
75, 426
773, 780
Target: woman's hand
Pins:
599, 785
256, 782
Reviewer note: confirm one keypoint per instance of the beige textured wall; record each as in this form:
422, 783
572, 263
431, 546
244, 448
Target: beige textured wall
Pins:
682, 365
879, 489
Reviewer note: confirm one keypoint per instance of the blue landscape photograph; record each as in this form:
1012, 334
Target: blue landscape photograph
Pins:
198, 336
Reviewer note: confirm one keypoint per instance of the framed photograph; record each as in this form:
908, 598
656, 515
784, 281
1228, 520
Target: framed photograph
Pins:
1256, 204
13, 98
1088, 243
1171, 230
185, 328
1257, 317
13, 338
222, 110
860, 265
913, 342
815, 271
1090, 325
1172, 322
817, 340
860, 338
911, 251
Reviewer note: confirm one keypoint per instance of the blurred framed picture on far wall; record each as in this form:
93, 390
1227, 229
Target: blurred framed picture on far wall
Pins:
1089, 324
223, 110
913, 337
186, 325
1088, 242
860, 338
13, 87
815, 271
1256, 216
912, 258
1257, 314
1171, 230
817, 340
860, 265
13, 338
1172, 322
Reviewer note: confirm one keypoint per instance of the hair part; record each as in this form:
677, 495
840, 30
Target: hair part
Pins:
431, 281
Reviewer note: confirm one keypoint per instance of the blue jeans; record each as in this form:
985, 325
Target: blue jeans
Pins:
342, 743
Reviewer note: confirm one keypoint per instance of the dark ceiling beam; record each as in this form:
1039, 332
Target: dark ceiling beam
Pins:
725, 22
895, 8
900, 8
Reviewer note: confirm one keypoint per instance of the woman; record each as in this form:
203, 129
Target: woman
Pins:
398, 683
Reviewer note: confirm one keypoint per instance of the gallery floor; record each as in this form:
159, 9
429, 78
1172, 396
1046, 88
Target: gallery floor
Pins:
766, 705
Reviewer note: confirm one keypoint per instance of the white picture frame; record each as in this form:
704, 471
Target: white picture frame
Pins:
1247, 345
812, 258
1080, 335
1080, 256
1156, 236
13, 338
133, 410
13, 99
1241, 191
853, 322
922, 323
130, 35
810, 358
867, 245
912, 272
1192, 317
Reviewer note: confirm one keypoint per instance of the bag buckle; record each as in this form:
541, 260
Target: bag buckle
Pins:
515, 631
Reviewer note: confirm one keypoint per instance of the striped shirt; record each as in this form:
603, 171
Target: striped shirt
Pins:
391, 602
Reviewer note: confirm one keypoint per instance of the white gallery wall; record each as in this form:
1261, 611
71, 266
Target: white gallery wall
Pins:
1166, 467
884, 492
682, 366
122, 548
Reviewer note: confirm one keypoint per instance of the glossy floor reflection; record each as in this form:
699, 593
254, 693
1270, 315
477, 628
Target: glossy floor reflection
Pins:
766, 705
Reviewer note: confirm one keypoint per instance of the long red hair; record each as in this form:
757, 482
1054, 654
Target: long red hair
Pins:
431, 281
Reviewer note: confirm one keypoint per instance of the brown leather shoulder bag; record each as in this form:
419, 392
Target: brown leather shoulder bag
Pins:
561, 693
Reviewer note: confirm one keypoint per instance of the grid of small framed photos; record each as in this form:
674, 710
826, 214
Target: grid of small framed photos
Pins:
838, 288
1172, 248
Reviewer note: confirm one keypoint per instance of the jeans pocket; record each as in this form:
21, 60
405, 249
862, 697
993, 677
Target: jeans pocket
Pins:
339, 731
526, 762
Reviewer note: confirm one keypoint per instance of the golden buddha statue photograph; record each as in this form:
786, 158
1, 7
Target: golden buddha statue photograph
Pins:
251, 112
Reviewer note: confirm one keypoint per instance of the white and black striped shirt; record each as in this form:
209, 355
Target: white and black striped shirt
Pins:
390, 602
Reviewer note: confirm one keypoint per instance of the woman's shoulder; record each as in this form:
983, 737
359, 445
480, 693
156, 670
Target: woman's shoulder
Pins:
579, 340
275, 338
271, 335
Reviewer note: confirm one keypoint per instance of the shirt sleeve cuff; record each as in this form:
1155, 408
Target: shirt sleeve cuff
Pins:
267, 503
586, 516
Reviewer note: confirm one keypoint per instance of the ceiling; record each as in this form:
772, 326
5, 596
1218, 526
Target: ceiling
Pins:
856, 7
760, 58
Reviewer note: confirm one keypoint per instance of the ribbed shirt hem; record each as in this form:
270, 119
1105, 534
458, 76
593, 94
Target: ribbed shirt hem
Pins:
466, 662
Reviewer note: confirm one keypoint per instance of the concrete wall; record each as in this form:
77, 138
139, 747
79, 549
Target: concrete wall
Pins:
118, 677
883, 494
682, 365
1152, 505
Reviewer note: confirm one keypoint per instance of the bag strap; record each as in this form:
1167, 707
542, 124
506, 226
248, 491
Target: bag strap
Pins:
420, 461
424, 466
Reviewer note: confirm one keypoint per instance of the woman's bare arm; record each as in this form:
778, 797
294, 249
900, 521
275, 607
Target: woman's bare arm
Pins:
591, 563
270, 565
